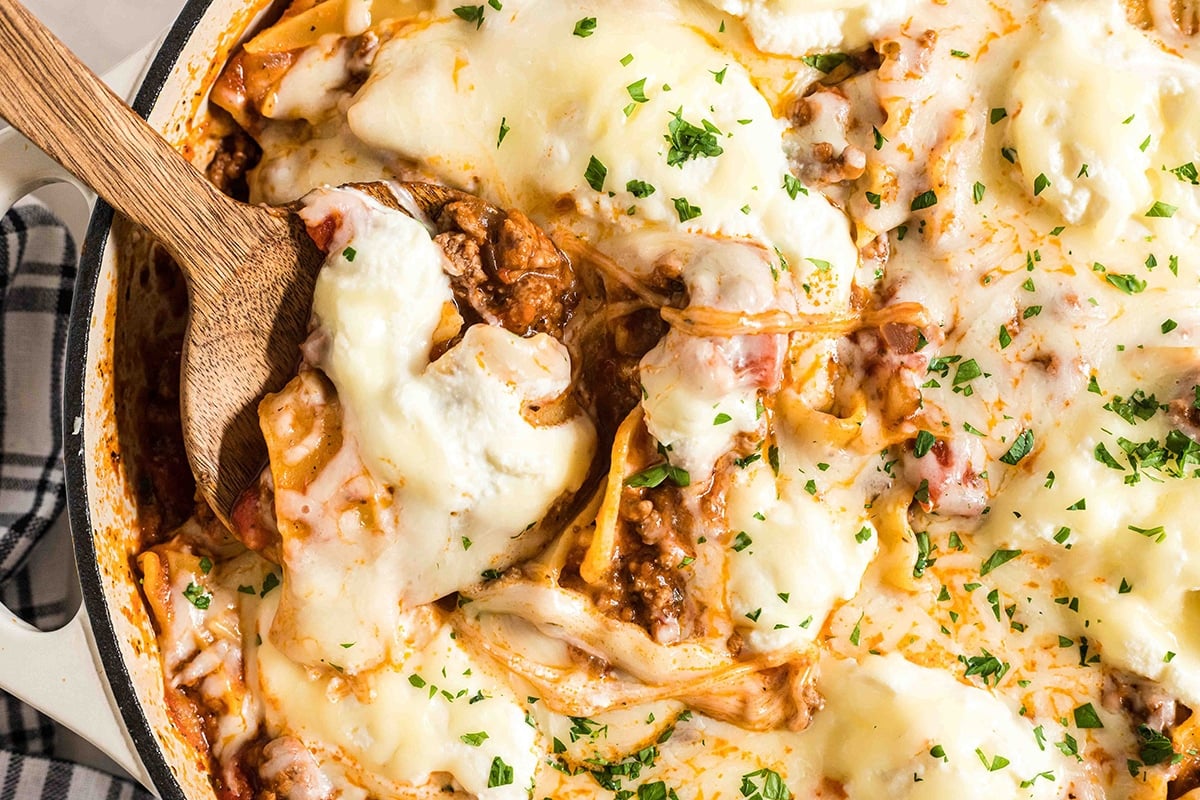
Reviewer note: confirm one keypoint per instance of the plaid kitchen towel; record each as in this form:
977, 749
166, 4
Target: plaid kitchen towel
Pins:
37, 576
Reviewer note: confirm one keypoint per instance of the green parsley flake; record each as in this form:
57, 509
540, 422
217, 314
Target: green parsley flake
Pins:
1086, 717
793, 186
1187, 173
997, 559
1040, 184
719, 76
349, 254
651, 477
684, 209
721, 418
197, 596
269, 583
637, 91
474, 739
639, 189
978, 192
585, 27
504, 129
764, 784
1021, 447
595, 174
741, 541
1161, 209
1157, 533
690, 141
925, 441
1129, 284
470, 14
501, 774
924, 200
826, 62
997, 114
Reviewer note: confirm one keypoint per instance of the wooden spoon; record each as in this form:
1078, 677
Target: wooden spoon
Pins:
250, 270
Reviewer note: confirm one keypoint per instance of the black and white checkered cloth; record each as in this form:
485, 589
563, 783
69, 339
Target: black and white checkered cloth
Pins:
37, 577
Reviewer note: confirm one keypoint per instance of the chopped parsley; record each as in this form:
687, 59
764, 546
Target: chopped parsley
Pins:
742, 541
998, 762
1187, 173
1021, 447
504, 129
470, 14
1086, 717
1161, 209
197, 596
474, 739
826, 62
793, 186
764, 784
595, 174
653, 476
1129, 284
989, 668
924, 200
269, 583
501, 774
925, 550
1040, 184
1155, 748
924, 443
684, 209
639, 189
688, 141
585, 27
997, 559
637, 91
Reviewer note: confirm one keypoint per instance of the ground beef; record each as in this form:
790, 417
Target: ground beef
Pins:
648, 584
236, 156
505, 269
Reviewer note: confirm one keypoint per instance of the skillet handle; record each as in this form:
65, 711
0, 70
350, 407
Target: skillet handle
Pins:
58, 672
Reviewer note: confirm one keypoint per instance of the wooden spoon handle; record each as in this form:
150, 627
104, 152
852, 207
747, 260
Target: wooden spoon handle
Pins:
64, 109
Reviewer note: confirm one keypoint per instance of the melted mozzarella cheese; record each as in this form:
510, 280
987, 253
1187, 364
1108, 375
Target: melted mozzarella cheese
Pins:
1137, 591
470, 473
432, 711
802, 26
800, 547
1082, 134
443, 94
883, 718
450, 435
701, 393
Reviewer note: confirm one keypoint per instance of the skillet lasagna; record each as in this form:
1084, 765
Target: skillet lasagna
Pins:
714, 399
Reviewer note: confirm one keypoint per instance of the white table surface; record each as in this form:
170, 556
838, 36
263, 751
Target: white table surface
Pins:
103, 33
